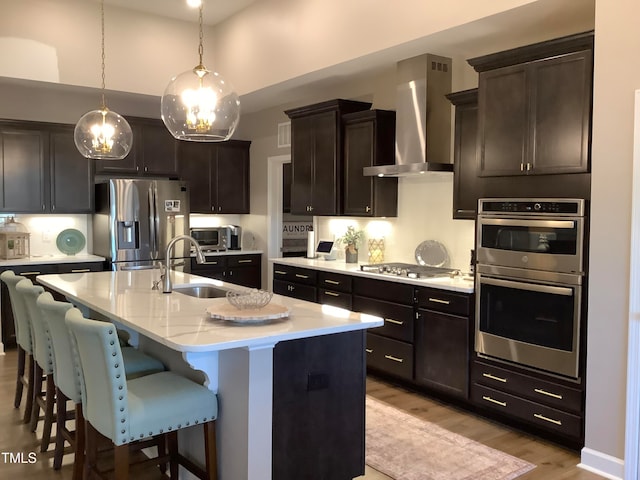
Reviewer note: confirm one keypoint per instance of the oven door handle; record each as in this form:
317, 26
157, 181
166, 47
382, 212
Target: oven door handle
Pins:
567, 224
565, 291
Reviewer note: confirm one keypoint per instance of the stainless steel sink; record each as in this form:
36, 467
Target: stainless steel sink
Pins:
201, 290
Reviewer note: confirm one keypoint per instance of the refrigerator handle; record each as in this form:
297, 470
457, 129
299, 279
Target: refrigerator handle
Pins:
153, 221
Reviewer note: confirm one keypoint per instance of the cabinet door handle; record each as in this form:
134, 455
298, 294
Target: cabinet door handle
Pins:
214, 262
395, 322
548, 394
547, 419
497, 402
522, 167
332, 294
437, 300
279, 272
300, 275
368, 350
245, 261
493, 377
81, 270
29, 273
367, 209
291, 288
395, 359
529, 167
332, 282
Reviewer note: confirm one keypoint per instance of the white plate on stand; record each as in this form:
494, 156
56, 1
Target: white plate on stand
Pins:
432, 254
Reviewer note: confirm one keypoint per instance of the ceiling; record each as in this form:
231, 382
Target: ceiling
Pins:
214, 11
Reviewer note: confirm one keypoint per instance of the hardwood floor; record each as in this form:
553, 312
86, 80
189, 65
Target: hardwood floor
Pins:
553, 462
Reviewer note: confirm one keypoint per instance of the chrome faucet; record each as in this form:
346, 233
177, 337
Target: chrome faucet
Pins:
166, 286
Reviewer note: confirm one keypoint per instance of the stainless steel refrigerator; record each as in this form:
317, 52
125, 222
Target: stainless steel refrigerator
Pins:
136, 219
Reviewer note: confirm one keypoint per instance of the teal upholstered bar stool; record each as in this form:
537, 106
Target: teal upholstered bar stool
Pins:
67, 378
127, 411
25, 345
42, 354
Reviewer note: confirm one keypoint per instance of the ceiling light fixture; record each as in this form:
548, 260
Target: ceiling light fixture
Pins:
103, 134
199, 105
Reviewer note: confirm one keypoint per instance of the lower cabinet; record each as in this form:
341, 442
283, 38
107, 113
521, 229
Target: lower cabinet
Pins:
443, 341
245, 270
334, 289
319, 407
539, 400
31, 271
295, 282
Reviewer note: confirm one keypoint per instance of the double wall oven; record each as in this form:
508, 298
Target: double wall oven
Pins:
529, 282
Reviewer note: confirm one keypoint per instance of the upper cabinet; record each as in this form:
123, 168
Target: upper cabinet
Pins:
369, 140
534, 108
42, 171
466, 188
154, 152
218, 175
317, 146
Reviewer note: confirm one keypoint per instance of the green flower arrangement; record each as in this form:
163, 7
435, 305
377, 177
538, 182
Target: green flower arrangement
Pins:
352, 239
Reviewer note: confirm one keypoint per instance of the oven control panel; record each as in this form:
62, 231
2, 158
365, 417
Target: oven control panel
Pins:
563, 206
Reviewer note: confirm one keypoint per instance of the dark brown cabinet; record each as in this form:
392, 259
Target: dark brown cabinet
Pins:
295, 282
546, 403
23, 159
42, 171
443, 341
534, 108
218, 174
72, 175
369, 140
153, 153
466, 186
319, 407
243, 270
317, 146
390, 348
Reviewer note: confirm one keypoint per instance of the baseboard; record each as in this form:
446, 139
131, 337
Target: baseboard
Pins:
602, 464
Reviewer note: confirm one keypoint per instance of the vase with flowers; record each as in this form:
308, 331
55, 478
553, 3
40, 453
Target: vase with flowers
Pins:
351, 239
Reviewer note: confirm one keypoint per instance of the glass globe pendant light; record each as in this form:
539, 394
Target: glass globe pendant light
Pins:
103, 134
199, 105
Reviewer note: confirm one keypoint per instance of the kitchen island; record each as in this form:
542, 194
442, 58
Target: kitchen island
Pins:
236, 362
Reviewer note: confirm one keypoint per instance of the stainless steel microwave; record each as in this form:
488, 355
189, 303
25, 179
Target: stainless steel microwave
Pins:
211, 238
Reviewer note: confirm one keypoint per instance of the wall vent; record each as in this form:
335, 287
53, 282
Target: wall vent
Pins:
284, 135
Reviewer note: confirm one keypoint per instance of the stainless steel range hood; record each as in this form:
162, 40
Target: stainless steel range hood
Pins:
423, 118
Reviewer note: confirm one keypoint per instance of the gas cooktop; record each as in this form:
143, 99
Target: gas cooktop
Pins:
408, 270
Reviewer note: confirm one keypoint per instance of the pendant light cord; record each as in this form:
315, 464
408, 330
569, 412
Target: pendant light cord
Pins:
201, 36
104, 105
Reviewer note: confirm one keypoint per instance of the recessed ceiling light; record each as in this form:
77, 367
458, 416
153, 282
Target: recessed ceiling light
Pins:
194, 3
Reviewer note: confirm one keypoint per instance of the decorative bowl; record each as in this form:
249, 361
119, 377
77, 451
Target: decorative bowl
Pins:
251, 300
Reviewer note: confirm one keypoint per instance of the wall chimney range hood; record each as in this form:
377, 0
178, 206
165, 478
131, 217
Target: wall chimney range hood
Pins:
423, 118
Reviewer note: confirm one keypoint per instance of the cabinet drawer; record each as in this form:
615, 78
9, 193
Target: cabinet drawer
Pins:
80, 267
243, 260
398, 319
531, 412
337, 299
211, 262
443, 301
295, 274
390, 356
383, 290
295, 290
539, 390
33, 270
334, 281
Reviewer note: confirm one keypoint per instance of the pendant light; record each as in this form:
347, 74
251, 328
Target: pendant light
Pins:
103, 134
199, 105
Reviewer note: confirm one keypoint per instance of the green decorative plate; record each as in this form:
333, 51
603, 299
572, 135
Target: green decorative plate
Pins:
70, 241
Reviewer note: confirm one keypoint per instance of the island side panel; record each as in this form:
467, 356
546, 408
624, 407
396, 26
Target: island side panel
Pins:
319, 387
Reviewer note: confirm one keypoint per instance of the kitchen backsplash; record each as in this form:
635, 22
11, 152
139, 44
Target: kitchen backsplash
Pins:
425, 205
44, 230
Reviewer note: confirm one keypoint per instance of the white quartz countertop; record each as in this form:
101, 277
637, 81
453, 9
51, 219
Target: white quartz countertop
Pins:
460, 283
181, 322
45, 259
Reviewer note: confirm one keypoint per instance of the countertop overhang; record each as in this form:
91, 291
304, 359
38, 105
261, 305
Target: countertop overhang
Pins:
456, 284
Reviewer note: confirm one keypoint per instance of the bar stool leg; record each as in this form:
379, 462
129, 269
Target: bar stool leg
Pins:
20, 377
210, 449
61, 424
28, 407
121, 460
79, 444
50, 398
37, 394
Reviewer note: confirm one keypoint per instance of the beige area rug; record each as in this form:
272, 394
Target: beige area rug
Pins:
406, 448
